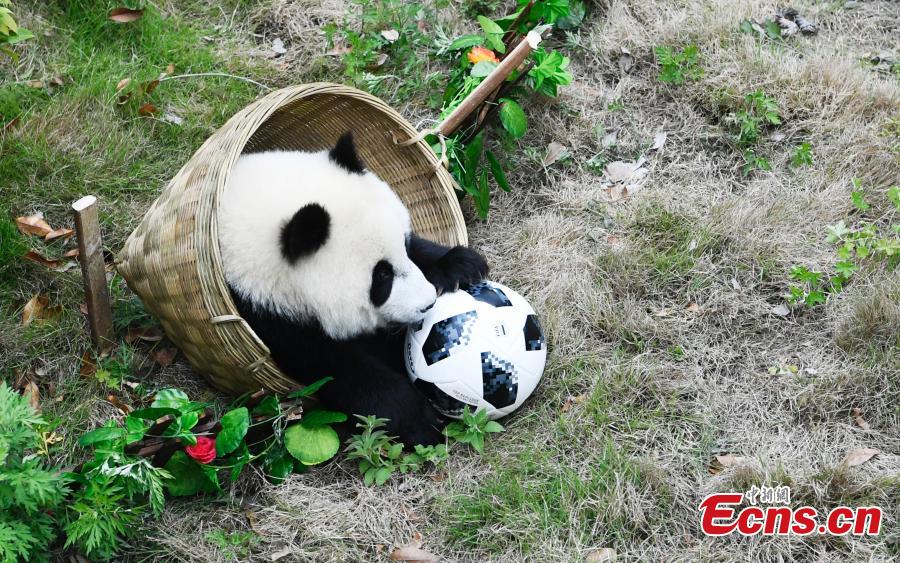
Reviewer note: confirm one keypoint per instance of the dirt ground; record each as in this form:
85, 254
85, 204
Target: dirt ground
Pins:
664, 307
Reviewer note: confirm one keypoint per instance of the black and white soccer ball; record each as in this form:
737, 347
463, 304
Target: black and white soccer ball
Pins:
482, 347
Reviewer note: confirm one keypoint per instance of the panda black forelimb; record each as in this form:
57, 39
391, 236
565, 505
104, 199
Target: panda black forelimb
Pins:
447, 268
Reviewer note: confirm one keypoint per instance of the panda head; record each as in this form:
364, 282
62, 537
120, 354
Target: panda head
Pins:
317, 237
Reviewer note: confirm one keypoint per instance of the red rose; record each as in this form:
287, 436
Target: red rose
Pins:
204, 451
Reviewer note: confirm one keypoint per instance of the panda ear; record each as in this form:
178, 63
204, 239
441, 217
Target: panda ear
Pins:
305, 233
344, 155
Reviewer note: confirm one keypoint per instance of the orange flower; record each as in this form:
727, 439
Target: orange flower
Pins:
478, 54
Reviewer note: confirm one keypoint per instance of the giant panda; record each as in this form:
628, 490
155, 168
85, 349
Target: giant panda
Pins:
321, 262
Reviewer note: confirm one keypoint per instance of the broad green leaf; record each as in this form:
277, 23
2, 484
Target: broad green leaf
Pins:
280, 469
234, 427
104, 434
382, 474
513, 118
238, 459
171, 398
493, 426
189, 420
497, 171
310, 389
472, 158
153, 413
573, 16
466, 41
311, 445
269, 406
135, 427
859, 200
21, 35
321, 417
188, 477
482, 68
493, 34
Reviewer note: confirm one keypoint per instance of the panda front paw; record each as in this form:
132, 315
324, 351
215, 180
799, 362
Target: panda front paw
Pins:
459, 268
425, 428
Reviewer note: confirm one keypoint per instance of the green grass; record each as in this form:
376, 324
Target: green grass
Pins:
534, 496
76, 139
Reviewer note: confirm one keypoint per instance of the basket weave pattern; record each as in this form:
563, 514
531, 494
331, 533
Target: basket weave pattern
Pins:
172, 262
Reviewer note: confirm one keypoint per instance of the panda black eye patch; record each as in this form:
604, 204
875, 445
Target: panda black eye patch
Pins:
382, 281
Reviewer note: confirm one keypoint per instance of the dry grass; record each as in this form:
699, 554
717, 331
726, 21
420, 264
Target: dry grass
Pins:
659, 311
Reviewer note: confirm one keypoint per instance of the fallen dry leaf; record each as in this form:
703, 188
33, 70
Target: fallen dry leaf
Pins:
720, 462
60, 265
278, 46
859, 456
125, 15
34, 225
781, 310
609, 140
390, 34
57, 233
413, 552
88, 365
281, 553
34, 396
165, 357
602, 554
170, 69
145, 333
122, 84
411, 514
555, 151
147, 109
619, 171
858, 419
114, 401
693, 308
38, 309
35, 83
659, 140
573, 400
57, 81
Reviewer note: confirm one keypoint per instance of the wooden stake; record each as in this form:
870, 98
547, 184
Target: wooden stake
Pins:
93, 270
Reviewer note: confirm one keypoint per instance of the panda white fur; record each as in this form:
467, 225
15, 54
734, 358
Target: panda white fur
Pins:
320, 260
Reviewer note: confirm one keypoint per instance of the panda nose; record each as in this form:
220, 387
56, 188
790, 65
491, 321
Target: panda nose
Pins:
426, 309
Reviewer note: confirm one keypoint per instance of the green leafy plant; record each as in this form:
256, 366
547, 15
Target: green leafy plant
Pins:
472, 428
753, 161
802, 156
10, 32
383, 45
859, 245
233, 545
756, 111
379, 456
676, 67
29, 492
473, 162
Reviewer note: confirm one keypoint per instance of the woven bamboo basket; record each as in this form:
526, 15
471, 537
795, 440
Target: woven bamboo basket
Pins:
172, 262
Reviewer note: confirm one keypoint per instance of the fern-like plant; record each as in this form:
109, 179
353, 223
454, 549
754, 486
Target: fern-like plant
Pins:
29, 491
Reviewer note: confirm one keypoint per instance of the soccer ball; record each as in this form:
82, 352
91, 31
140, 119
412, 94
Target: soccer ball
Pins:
482, 347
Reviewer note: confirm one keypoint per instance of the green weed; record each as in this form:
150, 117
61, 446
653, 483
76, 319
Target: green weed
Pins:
677, 67
802, 156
